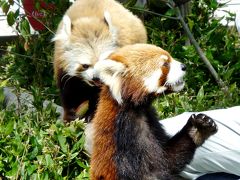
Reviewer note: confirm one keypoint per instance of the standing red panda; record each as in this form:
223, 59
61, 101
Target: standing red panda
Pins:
128, 141
90, 31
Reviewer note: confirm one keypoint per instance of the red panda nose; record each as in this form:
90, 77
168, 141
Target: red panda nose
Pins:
96, 81
183, 67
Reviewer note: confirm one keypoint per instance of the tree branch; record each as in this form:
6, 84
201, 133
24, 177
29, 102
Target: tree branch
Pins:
197, 47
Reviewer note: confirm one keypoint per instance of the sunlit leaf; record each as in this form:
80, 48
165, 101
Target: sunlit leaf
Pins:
9, 127
5, 7
62, 142
11, 18
49, 160
24, 28
200, 94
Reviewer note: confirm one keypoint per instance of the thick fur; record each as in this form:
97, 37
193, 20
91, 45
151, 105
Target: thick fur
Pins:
90, 31
128, 141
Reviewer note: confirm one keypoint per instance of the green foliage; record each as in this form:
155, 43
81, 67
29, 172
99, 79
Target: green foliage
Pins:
35, 145
222, 47
193, 101
29, 61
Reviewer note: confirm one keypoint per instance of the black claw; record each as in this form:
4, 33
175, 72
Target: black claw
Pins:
193, 116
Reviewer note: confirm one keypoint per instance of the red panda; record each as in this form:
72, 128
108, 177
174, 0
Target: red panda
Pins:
89, 31
128, 140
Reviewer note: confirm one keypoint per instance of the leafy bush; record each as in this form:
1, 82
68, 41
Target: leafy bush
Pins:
29, 61
221, 46
35, 145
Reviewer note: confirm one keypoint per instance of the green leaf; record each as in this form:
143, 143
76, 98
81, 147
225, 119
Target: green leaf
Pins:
200, 94
2, 100
14, 169
11, 2
45, 176
190, 24
62, 142
17, 12
1, 2
34, 153
31, 169
214, 4
11, 18
5, 7
74, 155
170, 12
4, 83
209, 54
84, 175
81, 164
79, 145
227, 76
24, 28
9, 127
49, 161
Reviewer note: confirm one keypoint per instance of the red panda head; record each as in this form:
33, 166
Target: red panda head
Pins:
82, 42
135, 72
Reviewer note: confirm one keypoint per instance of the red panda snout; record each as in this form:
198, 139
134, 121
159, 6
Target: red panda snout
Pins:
174, 80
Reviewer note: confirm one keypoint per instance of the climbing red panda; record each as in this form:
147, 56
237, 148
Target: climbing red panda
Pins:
89, 31
128, 140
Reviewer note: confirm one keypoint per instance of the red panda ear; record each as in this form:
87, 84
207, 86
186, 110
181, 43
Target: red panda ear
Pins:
112, 29
65, 30
110, 73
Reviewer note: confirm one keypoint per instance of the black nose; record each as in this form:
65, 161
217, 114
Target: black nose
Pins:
184, 67
95, 79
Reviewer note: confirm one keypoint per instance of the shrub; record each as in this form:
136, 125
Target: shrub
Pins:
35, 145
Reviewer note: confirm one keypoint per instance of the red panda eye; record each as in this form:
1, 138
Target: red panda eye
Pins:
85, 66
166, 64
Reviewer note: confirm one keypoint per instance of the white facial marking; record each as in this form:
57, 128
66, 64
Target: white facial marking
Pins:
88, 75
78, 53
152, 82
175, 72
161, 90
65, 32
175, 76
109, 73
76, 57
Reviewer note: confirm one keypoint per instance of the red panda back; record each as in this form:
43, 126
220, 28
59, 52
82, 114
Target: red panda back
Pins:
102, 162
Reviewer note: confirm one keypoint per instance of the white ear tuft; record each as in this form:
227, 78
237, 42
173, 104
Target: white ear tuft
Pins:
112, 29
65, 31
109, 72
67, 24
107, 17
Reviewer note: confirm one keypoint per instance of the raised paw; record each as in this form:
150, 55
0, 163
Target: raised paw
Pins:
201, 127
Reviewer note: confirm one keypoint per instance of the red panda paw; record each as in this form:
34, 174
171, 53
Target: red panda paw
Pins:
201, 128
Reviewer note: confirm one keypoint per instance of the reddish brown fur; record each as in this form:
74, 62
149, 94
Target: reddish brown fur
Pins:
128, 141
130, 28
165, 70
137, 66
102, 165
93, 36
104, 145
